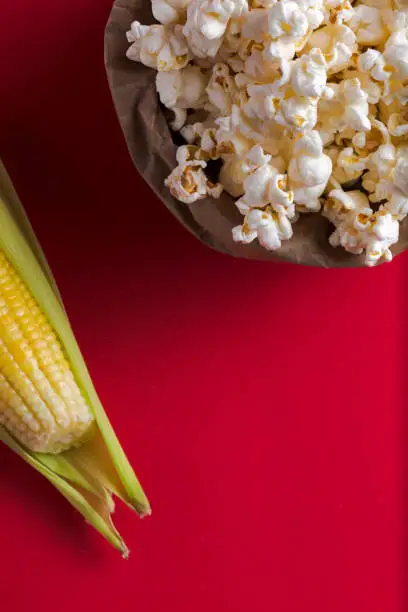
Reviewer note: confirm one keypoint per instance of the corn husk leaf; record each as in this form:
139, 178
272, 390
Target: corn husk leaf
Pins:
89, 475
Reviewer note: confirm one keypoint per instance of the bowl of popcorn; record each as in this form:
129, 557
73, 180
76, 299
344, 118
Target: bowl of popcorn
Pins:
272, 129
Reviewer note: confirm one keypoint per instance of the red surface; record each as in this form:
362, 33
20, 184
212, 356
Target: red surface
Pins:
262, 405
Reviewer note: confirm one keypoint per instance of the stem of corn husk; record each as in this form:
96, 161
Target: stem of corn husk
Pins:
89, 475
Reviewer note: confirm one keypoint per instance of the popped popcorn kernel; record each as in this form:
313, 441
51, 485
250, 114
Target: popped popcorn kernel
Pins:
304, 103
170, 11
338, 44
269, 227
207, 22
188, 182
160, 47
180, 90
309, 170
368, 24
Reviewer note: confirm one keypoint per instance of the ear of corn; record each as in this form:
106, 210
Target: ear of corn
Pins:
90, 473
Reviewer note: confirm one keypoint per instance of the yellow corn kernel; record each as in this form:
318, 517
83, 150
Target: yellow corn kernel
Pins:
40, 402
50, 413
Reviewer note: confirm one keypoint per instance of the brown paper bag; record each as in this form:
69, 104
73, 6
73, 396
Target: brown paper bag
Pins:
152, 149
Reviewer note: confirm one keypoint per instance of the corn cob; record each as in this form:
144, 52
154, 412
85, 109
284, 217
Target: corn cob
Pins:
50, 413
40, 402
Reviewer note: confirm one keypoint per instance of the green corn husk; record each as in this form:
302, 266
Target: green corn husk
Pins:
87, 476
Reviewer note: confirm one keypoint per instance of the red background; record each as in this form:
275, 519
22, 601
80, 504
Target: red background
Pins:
262, 405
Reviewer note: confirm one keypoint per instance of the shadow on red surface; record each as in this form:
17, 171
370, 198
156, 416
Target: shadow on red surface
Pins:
38, 501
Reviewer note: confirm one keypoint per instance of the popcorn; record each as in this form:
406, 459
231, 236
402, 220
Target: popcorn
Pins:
303, 102
260, 67
338, 11
204, 138
397, 204
232, 176
264, 100
230, 139
373, 62
283, 29
297, 113
268, 226
169, 11
233, 39
259, 173
222, 90
264, 185
356, 107
314, 10
388, 178
338, 174
400, 173
309, 170
283, 19
281, 199
382, 234
187, 182
397, 123
385, 233
180, 90
358, 228
160, 47
337, 43
384, 160
247, 124
396, 54
343, 217
286, 19
368, 25
277, 100
380, 165
372, 88
368, 142
352, 164
206, 24
347, 110
309, 74
330, 116
339, 203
